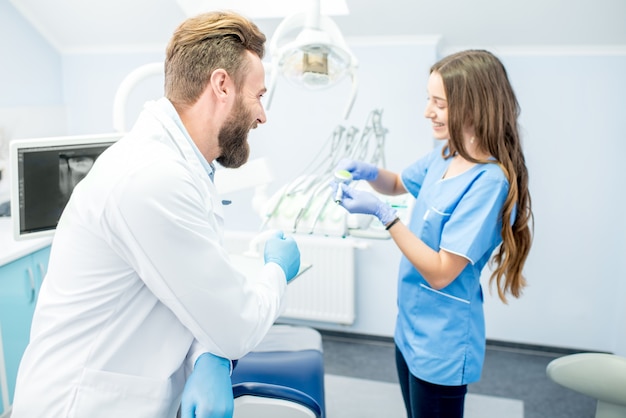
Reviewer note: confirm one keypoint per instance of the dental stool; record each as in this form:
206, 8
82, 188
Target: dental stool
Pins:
598, 375
283, 377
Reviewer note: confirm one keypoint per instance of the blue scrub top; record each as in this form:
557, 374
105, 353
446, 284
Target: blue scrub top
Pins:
441, 333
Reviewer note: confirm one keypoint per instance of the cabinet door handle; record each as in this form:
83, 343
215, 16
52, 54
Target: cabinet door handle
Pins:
31, 278
42, 271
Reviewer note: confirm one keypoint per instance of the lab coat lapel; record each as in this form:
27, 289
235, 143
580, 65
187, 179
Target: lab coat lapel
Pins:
189, 154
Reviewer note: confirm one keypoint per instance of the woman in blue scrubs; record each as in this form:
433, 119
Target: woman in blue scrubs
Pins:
472, 205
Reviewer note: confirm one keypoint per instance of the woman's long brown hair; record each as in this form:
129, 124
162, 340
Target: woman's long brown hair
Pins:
480, 95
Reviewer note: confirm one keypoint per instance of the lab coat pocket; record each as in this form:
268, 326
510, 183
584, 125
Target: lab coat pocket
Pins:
107, 394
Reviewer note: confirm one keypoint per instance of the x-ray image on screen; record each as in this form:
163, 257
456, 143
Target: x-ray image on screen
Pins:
73, 169
44, 173
49, 177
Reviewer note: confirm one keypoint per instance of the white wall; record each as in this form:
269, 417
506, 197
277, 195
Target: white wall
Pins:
30, 69
91, 80
573, 118
574, 121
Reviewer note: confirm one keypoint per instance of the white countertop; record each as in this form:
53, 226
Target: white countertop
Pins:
10, 249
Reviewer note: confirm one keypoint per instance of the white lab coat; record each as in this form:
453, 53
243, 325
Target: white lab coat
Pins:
139, 285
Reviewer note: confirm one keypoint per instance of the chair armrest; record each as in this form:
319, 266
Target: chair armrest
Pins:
268, 390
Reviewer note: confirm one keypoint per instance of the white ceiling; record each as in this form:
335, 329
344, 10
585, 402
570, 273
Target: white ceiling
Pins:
78, 25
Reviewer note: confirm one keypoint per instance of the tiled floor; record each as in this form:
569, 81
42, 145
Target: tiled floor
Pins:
508, 373
348, 397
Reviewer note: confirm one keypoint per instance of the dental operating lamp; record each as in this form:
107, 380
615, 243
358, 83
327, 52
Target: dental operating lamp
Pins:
316, 59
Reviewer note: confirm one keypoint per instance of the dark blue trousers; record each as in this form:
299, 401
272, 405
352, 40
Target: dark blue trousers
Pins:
427, 400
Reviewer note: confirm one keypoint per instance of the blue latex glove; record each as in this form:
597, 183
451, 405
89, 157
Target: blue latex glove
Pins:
359, 169
284, 252
208, 392
359, 201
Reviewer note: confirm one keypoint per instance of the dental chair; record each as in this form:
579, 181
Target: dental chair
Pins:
283, 377
598, 375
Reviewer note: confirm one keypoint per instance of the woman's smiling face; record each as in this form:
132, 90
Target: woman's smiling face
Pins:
437, 106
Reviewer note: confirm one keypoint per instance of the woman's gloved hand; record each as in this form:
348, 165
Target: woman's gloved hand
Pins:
359, 201
284, 252
208, 392
359, 169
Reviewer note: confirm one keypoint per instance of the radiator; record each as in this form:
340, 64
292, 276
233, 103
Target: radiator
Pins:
326, 292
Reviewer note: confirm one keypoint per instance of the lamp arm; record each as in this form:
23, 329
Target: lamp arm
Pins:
295, 21
330, 27
272, 85
313, 17
123, 91
290, 23
355, 85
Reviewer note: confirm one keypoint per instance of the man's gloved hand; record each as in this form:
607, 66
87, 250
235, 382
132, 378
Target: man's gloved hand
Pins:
359, 169
208, 392
359, 201
284, 252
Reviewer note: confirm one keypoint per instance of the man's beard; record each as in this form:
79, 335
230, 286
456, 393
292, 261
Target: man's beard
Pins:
233, 137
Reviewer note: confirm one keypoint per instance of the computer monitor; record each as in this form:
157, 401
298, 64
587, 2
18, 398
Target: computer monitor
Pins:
43, 174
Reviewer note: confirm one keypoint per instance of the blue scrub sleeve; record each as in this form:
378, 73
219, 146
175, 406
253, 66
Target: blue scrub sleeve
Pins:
413, 176
475, 224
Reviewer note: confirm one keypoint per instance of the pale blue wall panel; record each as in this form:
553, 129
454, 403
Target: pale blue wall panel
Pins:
30, 68
91, 81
